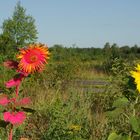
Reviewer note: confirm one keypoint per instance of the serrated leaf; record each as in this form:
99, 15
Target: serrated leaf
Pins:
121, 102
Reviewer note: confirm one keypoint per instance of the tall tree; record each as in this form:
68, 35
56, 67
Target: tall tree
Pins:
107, 49
20, 29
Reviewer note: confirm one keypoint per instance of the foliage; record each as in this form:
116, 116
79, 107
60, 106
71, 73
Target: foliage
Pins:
65, 110
14, 112
125, 106
17, 31
60, 117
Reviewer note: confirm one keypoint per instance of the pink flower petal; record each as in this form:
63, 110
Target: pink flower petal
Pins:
6, 116
11, 64
14, 117
4, 101
15, 81
24, 101
12, 83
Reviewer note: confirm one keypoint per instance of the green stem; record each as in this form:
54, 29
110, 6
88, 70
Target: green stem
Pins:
134, 110
134, 113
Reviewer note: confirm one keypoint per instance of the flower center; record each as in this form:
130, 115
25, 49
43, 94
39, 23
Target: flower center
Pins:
33, 58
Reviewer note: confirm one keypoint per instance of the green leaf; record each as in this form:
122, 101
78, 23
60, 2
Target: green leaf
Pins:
121, 102
137, 105
3, 123
125, 137
114, 113
113, 136
28, 110
135, 124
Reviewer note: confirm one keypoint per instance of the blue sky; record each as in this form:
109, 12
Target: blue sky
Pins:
86, 23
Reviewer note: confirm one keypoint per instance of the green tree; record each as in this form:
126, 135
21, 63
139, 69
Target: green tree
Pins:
115, 51
19, 30
107, 49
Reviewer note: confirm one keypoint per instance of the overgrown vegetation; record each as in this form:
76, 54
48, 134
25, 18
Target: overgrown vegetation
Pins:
63, 110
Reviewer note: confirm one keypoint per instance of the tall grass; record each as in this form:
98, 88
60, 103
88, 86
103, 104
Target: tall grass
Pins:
61, 110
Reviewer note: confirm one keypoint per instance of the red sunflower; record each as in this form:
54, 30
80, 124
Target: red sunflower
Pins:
33, 58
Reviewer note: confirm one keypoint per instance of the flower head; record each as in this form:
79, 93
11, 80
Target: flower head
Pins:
75, 127
33, 58
4, 100
24, 101
15, 81
136, 76
14, 117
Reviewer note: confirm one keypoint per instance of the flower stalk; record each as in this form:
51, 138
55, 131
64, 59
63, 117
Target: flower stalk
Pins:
11, 133
32, 59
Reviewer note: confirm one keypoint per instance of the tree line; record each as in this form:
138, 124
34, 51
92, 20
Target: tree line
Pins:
20, 30
108, 51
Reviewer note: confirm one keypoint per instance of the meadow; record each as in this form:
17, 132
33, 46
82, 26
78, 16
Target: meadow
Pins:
76, 94
83, 94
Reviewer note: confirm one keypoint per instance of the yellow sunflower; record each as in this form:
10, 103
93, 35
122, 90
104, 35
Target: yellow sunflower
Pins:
136, 75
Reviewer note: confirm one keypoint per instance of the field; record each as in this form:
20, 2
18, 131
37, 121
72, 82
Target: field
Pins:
79, 96
75, 92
